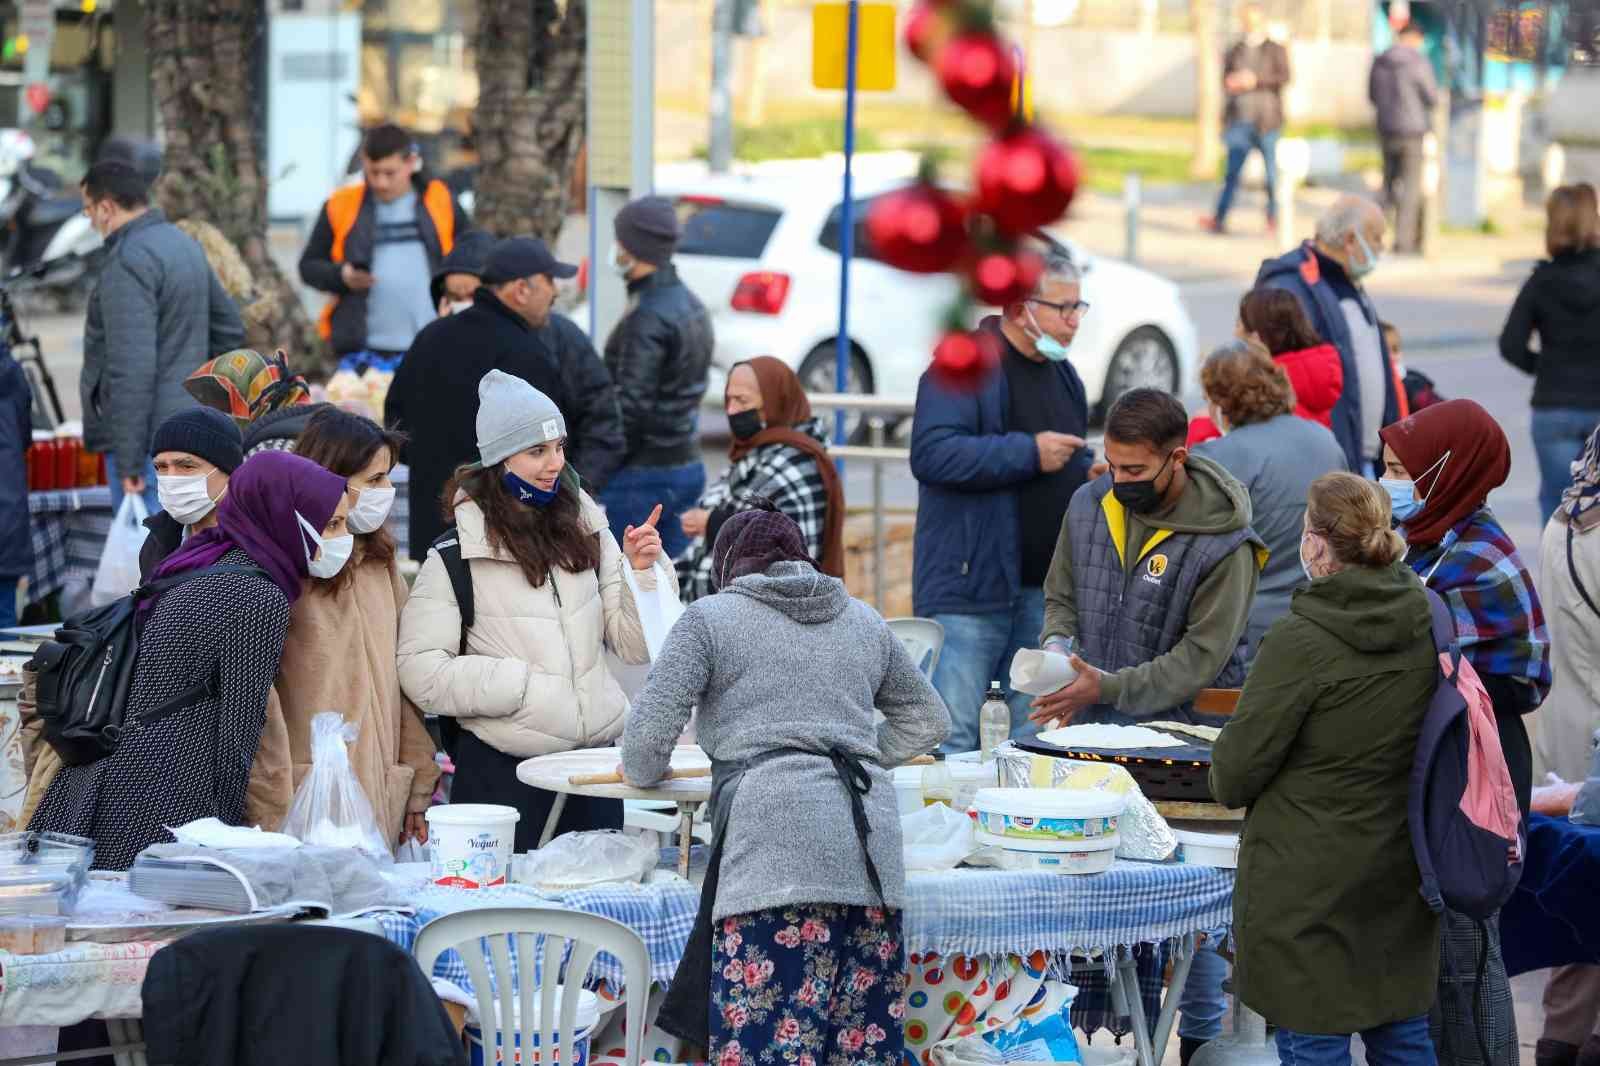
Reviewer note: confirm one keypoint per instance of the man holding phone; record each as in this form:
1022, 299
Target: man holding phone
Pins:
376, 247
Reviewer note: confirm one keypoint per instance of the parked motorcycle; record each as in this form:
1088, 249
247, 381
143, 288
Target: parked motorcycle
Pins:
42, 223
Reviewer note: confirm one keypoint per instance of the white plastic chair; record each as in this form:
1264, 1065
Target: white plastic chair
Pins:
587, 934
924, 640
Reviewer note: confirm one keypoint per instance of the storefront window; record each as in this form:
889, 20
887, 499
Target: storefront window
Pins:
418, 69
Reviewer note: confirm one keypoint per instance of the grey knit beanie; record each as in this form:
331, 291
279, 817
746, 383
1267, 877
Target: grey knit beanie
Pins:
513, 416
647, 229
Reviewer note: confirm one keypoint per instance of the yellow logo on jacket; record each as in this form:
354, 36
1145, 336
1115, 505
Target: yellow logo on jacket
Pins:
1157, 565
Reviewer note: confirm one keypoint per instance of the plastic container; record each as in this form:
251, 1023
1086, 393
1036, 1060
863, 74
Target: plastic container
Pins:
1200, 847
1052, 857
1069, 816
67, 449
472, 844
967, 777
586, 1019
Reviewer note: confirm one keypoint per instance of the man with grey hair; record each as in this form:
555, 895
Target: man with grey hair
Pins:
1326, 275
996, 465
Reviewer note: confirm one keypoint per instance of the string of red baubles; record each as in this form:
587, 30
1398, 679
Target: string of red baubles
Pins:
1024, 179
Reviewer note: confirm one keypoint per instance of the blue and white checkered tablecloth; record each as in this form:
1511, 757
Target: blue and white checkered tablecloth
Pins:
959, 912
68, 528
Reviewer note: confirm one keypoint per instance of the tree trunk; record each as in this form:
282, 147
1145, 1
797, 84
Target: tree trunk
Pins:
530, 117
1207, 90
200, 59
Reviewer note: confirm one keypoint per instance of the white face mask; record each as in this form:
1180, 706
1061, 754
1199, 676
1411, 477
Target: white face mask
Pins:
372, 507
619, 261
335, 551
458, 306
184, 496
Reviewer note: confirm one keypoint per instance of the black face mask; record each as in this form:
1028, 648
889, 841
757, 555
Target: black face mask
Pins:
1141, 497
745, 424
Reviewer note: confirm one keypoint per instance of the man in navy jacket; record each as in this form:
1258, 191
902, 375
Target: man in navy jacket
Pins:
995, 468
1325, 275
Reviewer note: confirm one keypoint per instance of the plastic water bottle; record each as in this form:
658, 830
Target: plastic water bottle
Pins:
994, 721
938, 786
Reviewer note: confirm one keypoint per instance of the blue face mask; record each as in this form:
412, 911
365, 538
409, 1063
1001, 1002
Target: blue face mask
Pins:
1403, 500
1047, 345
529, 493
1369, 264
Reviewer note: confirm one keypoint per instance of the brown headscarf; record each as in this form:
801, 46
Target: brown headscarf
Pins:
783, 407
1459, 454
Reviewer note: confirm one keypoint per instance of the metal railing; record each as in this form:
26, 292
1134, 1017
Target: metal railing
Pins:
879, 412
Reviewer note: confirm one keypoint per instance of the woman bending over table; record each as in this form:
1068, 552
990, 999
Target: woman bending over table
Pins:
797, 764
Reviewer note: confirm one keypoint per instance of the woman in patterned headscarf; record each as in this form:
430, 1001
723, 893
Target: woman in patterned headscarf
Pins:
270, 402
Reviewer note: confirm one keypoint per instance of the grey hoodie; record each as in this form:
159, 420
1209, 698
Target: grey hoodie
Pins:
1403, 91
787, 659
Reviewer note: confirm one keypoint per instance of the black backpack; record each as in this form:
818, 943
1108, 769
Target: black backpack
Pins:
85, 674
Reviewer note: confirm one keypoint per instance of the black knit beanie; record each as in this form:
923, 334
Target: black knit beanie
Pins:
205, 432
647, 229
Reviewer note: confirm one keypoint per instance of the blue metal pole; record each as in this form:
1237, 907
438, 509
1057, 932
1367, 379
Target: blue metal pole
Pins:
847, 222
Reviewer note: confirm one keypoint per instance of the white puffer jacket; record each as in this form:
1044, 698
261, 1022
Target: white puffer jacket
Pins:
534, 679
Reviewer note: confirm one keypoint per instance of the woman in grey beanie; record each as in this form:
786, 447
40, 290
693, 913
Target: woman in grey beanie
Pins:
549, 596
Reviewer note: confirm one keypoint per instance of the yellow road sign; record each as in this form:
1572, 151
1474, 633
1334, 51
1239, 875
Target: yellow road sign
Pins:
875, 46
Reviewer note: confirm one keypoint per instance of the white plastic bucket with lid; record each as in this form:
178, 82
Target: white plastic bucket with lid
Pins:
1054, 815
1052, 856
472, 844
1199, 847
586, 1020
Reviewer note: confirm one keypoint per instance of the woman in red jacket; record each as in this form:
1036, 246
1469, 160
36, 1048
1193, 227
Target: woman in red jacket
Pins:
1274, 319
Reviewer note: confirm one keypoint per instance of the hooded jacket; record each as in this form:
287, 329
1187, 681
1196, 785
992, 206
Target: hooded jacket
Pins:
469, 256
1561, 303
534, 679
1403, 91
1212, 505
1333, 933
824, 662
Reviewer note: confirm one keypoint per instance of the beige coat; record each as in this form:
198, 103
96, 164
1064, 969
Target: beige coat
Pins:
1564, 726
534, 679
340, 656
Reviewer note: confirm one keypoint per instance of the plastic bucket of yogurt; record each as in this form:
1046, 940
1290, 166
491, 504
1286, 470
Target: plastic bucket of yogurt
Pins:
472, 844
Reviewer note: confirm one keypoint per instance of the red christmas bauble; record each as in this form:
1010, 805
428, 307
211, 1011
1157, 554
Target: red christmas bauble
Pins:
1002, 278
977, 71
963, 360
1026, 179
920, 228
927, 29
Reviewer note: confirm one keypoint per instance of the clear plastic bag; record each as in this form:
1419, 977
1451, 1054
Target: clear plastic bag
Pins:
118, 572
329, 808
936, 838
578, 860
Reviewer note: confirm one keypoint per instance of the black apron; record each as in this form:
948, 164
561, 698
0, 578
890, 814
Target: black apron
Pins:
686, 1010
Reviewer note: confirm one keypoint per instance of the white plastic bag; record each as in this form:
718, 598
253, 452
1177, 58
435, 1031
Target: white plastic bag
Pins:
329, 808
118, 573
658, 609
936, 838
579, 860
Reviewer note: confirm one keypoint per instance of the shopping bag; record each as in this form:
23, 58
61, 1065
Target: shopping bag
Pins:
658, 609
329, 808
118, 572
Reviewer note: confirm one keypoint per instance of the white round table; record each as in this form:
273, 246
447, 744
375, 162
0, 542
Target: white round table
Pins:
555, 772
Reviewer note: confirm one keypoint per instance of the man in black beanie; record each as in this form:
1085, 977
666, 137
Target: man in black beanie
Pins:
659, 356
195, 451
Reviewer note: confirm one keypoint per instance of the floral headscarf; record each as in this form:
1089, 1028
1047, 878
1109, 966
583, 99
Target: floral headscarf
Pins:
245, 385
1581, 502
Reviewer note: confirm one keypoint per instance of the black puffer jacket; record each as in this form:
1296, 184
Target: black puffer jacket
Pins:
1561, 303
658, 356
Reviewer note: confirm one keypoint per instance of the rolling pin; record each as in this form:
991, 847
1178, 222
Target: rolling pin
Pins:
696, 771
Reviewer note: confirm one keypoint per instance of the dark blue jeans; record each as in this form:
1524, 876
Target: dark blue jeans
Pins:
978, 649
8, 602
1559, 437
1396, 1044
1241, 139
634, 491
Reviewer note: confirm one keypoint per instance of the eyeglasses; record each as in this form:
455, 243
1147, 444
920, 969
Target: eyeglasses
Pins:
1077, 307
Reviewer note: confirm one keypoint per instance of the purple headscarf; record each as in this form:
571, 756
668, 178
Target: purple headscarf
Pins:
257, 516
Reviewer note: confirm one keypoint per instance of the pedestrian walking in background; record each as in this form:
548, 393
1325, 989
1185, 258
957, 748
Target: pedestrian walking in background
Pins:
659, 356
779, 458
156, 312
376, 246
1254, 74
1275, 455
995, 469
1326, 275
1560, 303
1404, 92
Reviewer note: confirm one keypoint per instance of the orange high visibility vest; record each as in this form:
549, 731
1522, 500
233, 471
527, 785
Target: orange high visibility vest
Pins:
344, 207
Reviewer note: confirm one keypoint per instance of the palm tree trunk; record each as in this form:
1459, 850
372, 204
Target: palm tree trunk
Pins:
200, 58
530, 119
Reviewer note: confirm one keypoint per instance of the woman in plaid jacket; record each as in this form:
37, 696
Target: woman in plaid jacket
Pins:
778, 454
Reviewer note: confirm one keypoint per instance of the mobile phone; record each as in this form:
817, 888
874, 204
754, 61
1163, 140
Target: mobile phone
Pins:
364, 267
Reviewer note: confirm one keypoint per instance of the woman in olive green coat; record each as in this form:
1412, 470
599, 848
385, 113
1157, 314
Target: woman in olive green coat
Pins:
1333, 936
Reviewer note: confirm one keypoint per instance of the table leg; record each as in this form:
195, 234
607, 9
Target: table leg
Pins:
1128, 972
685, 836
554, 819
1174, 996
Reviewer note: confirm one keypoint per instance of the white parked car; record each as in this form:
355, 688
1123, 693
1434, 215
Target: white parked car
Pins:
762, 253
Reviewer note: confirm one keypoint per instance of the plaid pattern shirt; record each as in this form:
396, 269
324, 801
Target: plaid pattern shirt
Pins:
786, 476
1499, 621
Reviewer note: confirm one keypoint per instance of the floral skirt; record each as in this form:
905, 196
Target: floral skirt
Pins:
810, 984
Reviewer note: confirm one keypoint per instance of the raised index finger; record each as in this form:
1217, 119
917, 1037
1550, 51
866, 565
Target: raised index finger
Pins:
655, 516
